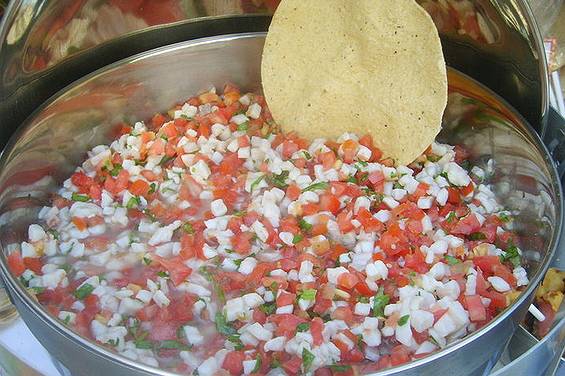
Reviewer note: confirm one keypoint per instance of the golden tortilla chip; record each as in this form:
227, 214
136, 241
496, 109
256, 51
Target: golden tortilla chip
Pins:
366, 66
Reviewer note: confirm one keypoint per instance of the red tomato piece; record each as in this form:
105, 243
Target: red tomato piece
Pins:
16, 263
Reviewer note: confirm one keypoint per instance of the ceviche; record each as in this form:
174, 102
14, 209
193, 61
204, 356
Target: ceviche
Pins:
204, 241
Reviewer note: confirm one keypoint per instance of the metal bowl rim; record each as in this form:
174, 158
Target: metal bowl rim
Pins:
93, 347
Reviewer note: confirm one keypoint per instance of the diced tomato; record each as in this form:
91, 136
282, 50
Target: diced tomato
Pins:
178, 271
316, 328
399, 355
349, 148
242, 242
16, 263
477, 311
498, 300
343, 313
139, 188
347, 280
329, 202
486, 263
503, 272
292, 366
233, 362
327, 159
286, 323
466, 225
34, 264
293, 191
453, 196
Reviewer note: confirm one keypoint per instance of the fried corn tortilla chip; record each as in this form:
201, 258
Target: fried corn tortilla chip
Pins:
366, 66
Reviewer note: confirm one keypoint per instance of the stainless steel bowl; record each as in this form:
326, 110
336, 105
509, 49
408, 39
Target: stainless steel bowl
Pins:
43, 152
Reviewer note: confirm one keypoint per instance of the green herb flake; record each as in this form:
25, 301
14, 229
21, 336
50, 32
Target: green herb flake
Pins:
450, 217
308, 294
53, 233
83, 291
146, 260
512, 255
316, 186
222, 325
304, 226
133, 202
363, 299
152, 188
504, 217
403, 320
243, 126
187, 227
115, 171
37, 290
256, 182
258, 362
143, 344
451, 260
297, 239
163, 274
239, 213
236, 341
166, 159
78, 197
340, 368
170, 344
351, 179
303, 327
307, 155
307, 359
379, 303
477, 236
268, 308
279, 180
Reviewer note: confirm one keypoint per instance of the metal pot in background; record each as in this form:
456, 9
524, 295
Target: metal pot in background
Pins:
46, 45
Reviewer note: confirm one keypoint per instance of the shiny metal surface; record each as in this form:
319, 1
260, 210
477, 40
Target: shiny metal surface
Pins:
47, 44
43, 152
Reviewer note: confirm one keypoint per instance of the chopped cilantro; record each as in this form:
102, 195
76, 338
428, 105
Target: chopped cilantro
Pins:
146, 260
308, 294
163, 274
112, 342
237, 344
165, 160
258, 362
149, 215
53, 233
297, 239
504, 217
37, 289
302, 327
450, 217
307, 155
451, 260
403, 320
307, 359
477, 236
115, 171
305, 226
256, 182
83, 291
133, 202
363, 299
352, 179
152, 188
172, 344
316, 186
77, 197
340, 368
238, 262
239, 213
243, 126
511, 254
279, 180
379, 303
222, 325
67, 319
187, 227
268, 308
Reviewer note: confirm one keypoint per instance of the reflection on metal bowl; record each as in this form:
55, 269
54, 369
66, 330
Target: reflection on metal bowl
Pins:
39, 157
